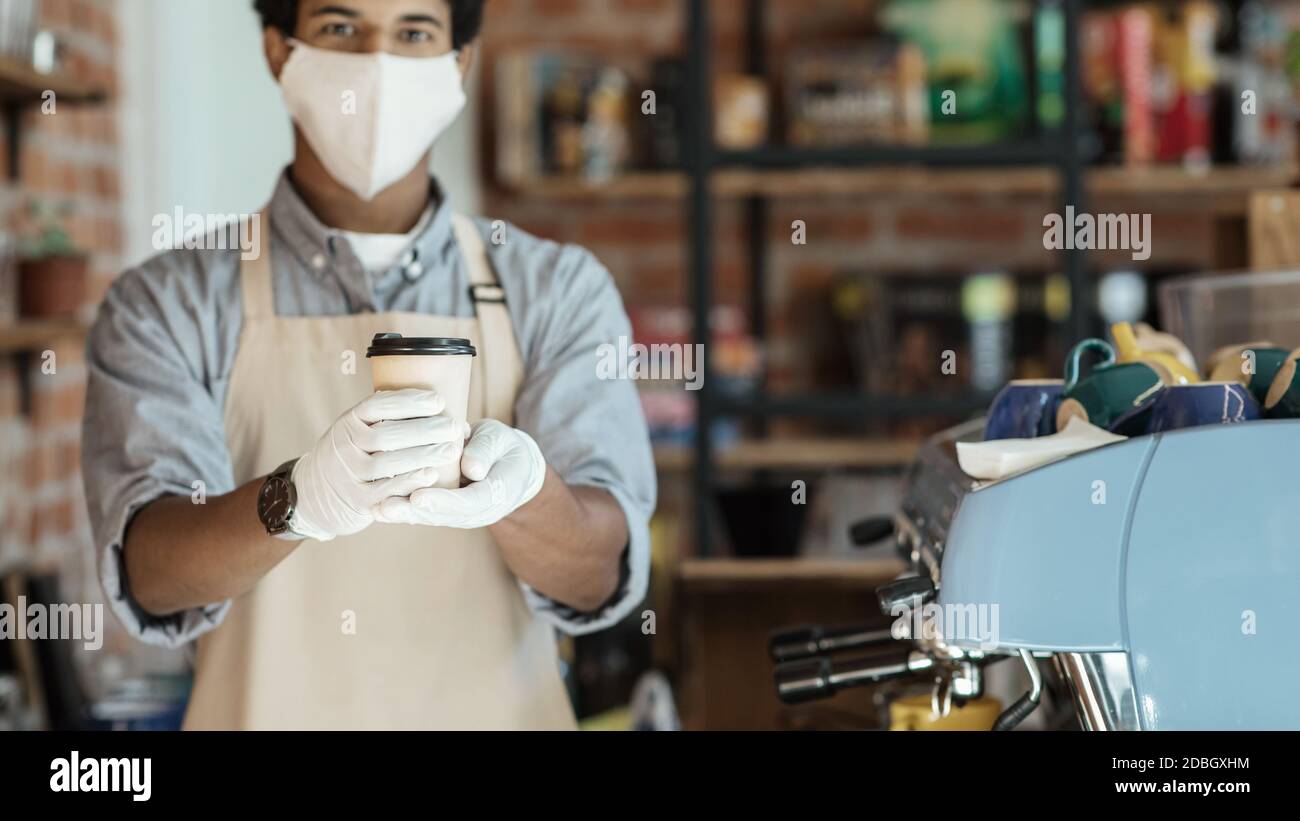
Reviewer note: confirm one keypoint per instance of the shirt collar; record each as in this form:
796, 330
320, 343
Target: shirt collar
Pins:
313, 242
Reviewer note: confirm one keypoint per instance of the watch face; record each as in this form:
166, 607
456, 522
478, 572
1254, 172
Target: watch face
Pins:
275, 503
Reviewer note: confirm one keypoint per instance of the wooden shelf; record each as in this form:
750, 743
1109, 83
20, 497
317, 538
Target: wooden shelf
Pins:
647, 185
1231, 182
22, 84
33, 334
1174, 180
796, 453
820, 182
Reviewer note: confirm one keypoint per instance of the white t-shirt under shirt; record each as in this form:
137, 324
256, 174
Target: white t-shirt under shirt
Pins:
379, 252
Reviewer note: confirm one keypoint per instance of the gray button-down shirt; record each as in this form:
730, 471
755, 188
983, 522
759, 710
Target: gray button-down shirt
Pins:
161, 351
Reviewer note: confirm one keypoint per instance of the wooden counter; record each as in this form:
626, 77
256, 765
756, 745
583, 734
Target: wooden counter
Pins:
728, 608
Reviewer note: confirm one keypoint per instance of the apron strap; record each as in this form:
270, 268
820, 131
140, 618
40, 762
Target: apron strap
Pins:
255, 277
501, 361
502, 364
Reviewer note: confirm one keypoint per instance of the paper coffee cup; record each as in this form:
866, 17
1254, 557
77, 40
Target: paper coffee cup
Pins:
429, 363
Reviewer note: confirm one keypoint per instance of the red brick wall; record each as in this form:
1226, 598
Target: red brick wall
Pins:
71, 157
643, 242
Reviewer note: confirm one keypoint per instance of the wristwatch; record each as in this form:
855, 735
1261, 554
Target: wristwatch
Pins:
277, 500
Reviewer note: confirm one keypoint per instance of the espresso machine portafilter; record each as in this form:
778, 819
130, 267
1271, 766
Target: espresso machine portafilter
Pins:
808, 668
1157, 575
814, 662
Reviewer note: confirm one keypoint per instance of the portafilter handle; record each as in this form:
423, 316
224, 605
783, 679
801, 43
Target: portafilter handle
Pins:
810, 640
908, 592
814, 678
869, 531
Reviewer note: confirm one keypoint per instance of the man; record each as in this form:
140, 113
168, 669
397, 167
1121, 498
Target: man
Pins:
356, 594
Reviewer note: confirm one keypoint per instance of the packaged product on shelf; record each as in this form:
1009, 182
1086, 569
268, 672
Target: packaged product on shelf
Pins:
605, 141
975, 65
560, 114
669, 373
1261, 83
664, 141
839, 95
1185, 71
1049, 62
1103, 88
1135, 31
1120, 82
740, 111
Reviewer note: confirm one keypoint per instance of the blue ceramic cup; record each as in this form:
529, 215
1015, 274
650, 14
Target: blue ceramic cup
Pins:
1206, 403
1025, 408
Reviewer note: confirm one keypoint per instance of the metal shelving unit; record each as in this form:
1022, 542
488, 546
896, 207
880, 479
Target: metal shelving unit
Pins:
1060, 151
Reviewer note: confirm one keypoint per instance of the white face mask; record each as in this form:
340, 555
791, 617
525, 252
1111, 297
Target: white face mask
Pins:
370, 117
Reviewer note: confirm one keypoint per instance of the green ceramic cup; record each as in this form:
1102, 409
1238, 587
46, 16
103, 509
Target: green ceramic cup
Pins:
1111, 392
1283, 398
1254, 367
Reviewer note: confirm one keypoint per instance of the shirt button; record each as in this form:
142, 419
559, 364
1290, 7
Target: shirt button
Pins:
414, 270
318, 261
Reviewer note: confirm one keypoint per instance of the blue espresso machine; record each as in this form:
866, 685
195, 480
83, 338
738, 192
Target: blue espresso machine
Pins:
1158, 577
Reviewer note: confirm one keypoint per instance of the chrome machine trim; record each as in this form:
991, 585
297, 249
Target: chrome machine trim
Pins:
1102, 685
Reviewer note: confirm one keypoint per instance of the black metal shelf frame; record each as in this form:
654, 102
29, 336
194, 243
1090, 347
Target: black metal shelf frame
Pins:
1061, 150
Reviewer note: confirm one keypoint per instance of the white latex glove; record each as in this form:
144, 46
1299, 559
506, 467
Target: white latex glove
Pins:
390, 444
505, 468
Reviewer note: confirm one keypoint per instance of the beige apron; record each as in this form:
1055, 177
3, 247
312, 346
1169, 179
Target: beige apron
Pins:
396, 627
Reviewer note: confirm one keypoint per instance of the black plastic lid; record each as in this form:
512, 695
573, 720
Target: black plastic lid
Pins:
398, 345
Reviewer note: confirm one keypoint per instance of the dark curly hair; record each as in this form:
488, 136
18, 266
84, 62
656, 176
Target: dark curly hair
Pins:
466, 17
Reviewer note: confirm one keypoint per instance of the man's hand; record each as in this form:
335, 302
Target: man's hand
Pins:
564, 542
181, 555
505, 468
391, 444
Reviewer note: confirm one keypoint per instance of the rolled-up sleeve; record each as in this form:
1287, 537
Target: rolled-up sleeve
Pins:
591, 430
153, 428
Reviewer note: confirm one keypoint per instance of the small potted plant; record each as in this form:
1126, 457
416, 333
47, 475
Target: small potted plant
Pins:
51, 270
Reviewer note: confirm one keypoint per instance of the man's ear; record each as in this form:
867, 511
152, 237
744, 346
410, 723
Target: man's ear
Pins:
465, 60
277, 49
